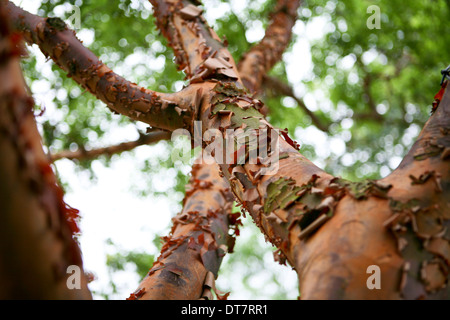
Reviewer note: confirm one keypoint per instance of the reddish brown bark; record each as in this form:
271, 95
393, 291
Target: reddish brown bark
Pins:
199, 52
328, 229
56, 41
36, 244
192, 253
405, 231
194, 276
191, 256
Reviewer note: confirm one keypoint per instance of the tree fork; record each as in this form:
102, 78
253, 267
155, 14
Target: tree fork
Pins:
300, 199
329, 229
190, 97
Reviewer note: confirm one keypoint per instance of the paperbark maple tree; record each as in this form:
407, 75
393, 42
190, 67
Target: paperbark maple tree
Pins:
328, 229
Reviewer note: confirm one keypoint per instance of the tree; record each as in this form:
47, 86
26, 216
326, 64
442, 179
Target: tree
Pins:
329, 229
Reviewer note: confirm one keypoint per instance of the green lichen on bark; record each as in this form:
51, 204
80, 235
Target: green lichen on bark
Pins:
229, 89
363, 189
226, 102
280, 194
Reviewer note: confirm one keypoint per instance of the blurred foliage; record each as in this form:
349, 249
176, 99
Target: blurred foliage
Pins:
373, 88
380, 82
124, 261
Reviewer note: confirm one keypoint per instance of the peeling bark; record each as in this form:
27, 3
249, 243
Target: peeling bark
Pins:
199, 52
36, 244
197, 242
405, 232
164, 111
330, 230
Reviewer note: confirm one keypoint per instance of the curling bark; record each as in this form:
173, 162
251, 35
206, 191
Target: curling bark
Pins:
57, 41
191, 255
328, 229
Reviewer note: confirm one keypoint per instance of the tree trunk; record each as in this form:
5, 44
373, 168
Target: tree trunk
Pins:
36, 245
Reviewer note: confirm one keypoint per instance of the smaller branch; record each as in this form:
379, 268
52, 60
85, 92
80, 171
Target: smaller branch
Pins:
262, 57
83, 154
367, 82
284, 89
164, 111
400, 65
373, 116
192, 253
281, 88
198, 50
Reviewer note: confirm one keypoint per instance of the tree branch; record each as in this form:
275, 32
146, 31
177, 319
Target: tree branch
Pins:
261, 58
164, 111
83, 154
191, 255
199, 52
420, 199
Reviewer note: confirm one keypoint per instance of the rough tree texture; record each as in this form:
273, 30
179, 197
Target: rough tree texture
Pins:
330, 230
36, 244
61, 44
191, 255
292, 205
